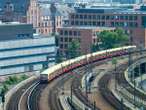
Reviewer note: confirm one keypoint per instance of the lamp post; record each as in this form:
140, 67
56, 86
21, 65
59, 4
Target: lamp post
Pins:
134, 83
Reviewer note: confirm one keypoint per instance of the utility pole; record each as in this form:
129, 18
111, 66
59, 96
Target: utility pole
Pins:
134, 87
71, 94
140, 74
122, 104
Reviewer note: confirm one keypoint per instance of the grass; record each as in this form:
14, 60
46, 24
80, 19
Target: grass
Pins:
11, 81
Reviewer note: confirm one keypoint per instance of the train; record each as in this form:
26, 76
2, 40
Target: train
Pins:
59, 69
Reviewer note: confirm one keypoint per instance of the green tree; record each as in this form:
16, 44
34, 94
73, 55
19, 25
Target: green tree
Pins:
95, 47
111, 39
73, 49
59, 58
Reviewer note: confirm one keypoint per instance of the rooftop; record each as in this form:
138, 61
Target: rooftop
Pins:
88, 27
109, 10
12, 23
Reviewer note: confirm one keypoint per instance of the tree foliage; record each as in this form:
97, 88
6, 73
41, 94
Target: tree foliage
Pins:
73, 49
111, 39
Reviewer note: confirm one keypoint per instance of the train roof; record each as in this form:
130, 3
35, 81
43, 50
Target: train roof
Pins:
52, 69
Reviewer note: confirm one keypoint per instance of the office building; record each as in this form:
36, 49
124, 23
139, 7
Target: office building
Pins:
132, 21
22, 52
87, 36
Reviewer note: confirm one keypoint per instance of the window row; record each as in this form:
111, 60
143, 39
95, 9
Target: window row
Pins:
45, 31
88, 23
124, 24
70, 33
66, 39
104, 17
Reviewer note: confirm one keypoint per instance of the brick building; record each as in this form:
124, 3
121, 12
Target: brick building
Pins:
39, 14
133, 21
13, 10
84, 34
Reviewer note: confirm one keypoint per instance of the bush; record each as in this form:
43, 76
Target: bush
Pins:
23, 77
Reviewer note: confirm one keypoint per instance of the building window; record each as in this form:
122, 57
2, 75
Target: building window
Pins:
112, 24
130, 17
61, 32
94, 16
85, 16
76, 23
107, 17
126, 17
81, 16
72, 16
65, 33
112, 17
61, 46
89, 16
65, 46
46, 24
66, 39
61, 39
98, 23
79, 34
46, 30
75, 33
143, 21
85, 23
103, 17
89, 23
94, 23
39, 24
70, 39
77, 16
70, 33
98, 17
121, 17
72, 22
135, 17
81, 22
103, 23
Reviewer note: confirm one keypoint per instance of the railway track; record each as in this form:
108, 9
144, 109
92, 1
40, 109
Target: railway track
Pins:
78, 93
120, 79
14, 103
34, 95
108, 95
123, 82
54, 93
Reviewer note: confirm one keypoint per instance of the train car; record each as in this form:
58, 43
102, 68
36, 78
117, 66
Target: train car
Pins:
64, 67
44, 78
